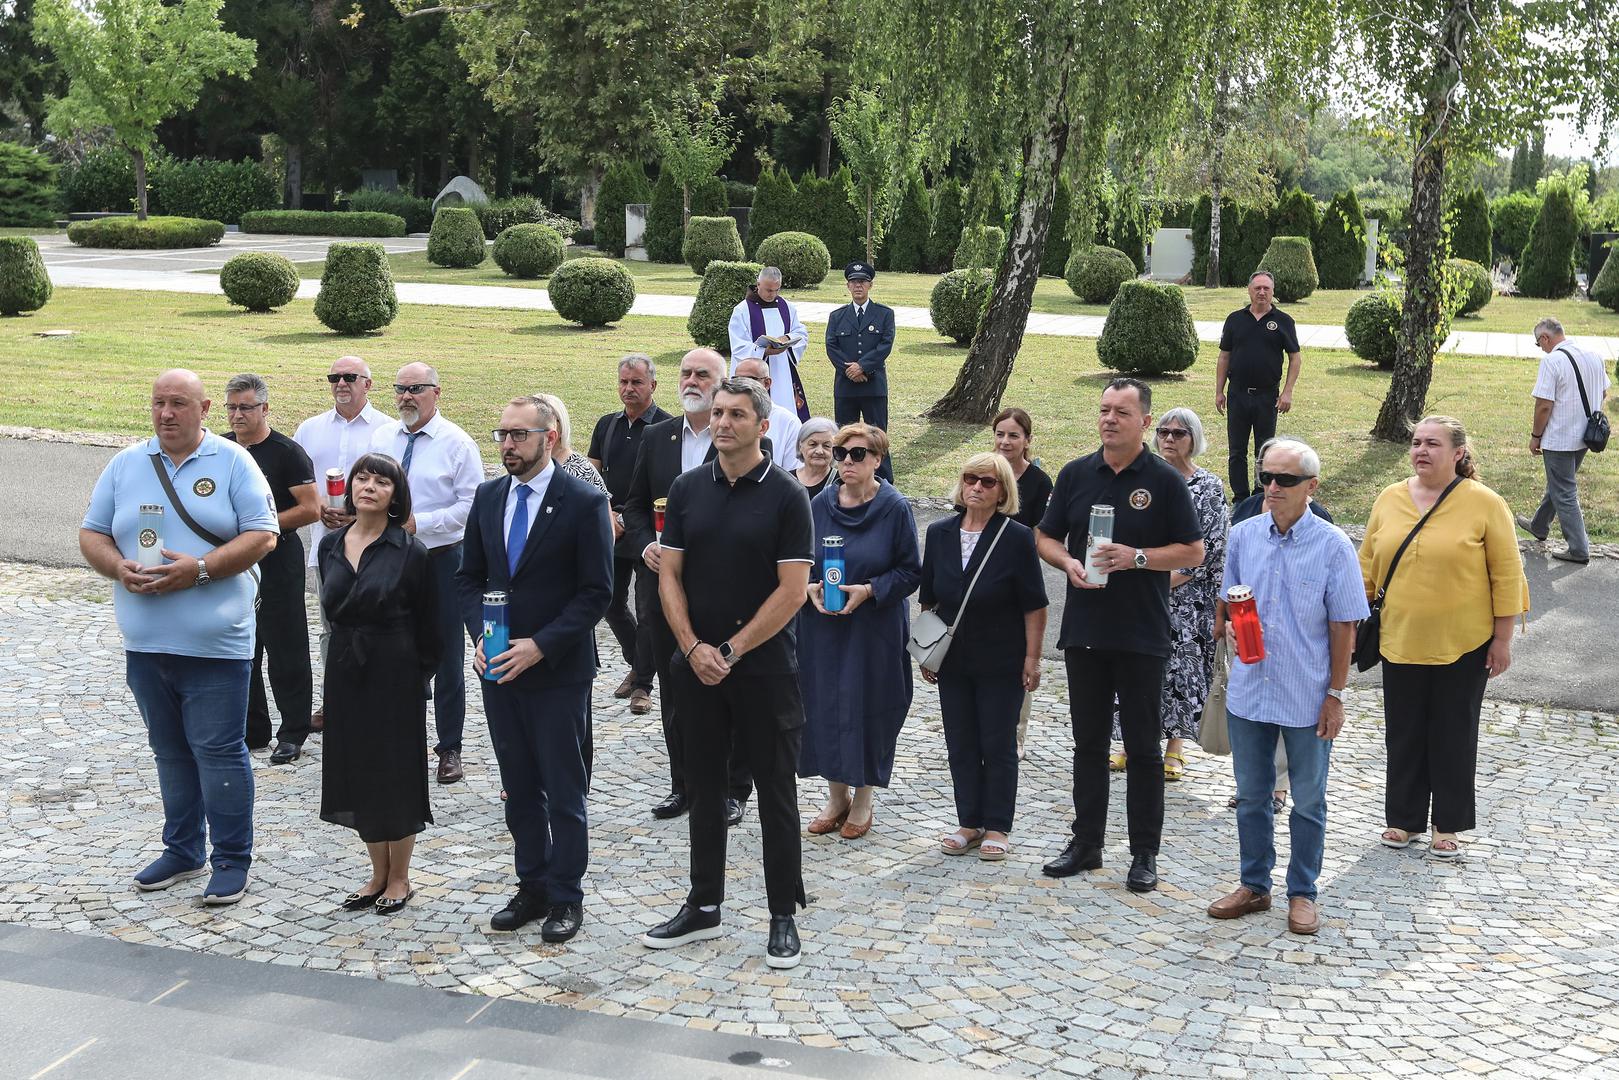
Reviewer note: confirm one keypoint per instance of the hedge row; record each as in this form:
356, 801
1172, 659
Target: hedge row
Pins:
323, 223
417, 211
154, 232
104, 181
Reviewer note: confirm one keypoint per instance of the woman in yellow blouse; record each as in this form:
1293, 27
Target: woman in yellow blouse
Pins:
1446, 629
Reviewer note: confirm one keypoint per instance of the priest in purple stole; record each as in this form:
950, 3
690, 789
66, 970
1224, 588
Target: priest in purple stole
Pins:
763, 314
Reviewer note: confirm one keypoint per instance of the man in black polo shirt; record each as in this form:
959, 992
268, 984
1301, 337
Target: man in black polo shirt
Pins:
613, 446
738, 543
1116, 636
1251, 346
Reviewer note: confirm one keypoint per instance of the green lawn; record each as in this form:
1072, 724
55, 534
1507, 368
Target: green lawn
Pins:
98, 380
1506, 314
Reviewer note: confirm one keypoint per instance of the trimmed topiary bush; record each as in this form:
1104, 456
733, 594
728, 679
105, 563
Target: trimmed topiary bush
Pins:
154, 232
957, 303
27, 180
828, 212
622, 185
259, 281
417, 211
1605, 289
528, 251
802, 259
356, 289
775, 208
1148, 330
905, 249
725, 284
211, 190
592, 291
710, 238
1547, 269
1340, 243
945, 233
979, 246
1511, 217
322, 223
24, 284
1372, 325
457, 239
1296, 215
103, 182
1470, 228
665, 226
1059, 238
1476, 288
1292, 267
1095, 273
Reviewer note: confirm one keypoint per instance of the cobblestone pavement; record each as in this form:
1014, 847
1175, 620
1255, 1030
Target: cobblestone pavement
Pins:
1504, 962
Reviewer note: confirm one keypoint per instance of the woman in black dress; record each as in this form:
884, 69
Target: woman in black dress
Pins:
1014, 431
377, 591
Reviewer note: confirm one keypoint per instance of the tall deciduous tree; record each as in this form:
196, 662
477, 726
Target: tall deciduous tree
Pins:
869, 138
28, 73
133, 63
692, 145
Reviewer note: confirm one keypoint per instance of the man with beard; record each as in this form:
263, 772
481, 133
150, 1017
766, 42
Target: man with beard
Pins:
765, 326
544, 538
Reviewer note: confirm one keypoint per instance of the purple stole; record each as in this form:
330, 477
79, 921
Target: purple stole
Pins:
756, 324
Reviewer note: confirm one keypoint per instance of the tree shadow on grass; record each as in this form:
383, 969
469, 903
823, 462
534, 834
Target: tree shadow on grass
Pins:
221, 313
315, 337
571, 331
940, 439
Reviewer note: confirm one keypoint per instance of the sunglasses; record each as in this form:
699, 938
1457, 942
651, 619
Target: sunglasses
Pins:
1173, 433
856, 454
344, 376
988, 483
414, 388
1281, 479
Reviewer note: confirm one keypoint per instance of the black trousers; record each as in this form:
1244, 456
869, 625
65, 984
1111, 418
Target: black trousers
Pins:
283, 633
664, 652
634, 635
763, 718
871, 410
1247, 413
980, 716
1430, 732
1094, 677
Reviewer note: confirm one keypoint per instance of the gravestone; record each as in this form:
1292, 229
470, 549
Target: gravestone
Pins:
1171, 258
380, 179
462, 191
635, 231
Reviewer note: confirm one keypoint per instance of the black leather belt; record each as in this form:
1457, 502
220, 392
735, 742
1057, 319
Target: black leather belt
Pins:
1259, 389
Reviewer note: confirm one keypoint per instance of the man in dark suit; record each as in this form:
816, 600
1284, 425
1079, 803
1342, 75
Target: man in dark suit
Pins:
669, 448
859, 337
545, 539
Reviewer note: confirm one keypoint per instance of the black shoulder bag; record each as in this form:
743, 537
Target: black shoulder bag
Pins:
1369, 634
192, 524
1596, 421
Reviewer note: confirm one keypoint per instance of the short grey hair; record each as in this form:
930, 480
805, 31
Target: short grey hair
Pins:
547, 417
815, 425
1261, 273
1309, 460
248, 381
753, 388
770, 273
1193, 423
642, 359
559, 413
1548, 325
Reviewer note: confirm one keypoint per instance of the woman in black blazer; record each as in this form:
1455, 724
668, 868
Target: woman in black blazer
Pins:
994, 658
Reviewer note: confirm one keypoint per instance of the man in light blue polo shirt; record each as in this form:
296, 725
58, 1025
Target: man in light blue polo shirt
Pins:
1309, 595
185, 608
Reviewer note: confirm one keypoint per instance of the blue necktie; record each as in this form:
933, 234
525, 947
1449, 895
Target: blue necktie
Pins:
410, 448
518, 534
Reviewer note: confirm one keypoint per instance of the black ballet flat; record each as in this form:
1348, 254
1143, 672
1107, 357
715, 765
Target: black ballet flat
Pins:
385, 906
360, 901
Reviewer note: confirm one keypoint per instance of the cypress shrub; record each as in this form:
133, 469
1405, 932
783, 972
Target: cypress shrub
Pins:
1511, 217
1292, 267
1129, 228
957, 303
417, 212
945, 232
323, 223
457, 239
1148, 330
1372, 325
1296, 215
802, 258
710, 238
1249, 242
775, 208
623, 184
665, 227
906, 248
1340, 243
1605, 289
24, 284
1201, 215
738, 194
1470, 229
592, 291
259, 280
357, 289
1095, 273
1476, 290
830, 214
1547, 270
529, 251
724, 286
995, 214
27, 180
1059, 239
980, 246
154, 232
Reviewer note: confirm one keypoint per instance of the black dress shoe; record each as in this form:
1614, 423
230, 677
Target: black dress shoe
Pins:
519, 911
733, 811
562, 922
689, 924
285, 752
387, 906
1143, 876
359, 901
1074, 858
675, 805
782, 952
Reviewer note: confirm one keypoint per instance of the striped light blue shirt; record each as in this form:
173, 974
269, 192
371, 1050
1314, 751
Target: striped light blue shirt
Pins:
1303, 580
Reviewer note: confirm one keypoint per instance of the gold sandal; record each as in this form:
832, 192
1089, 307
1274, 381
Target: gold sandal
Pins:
1117, 762
1174, 772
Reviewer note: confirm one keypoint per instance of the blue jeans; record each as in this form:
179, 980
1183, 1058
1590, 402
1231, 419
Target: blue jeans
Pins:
195, 711
1253, 757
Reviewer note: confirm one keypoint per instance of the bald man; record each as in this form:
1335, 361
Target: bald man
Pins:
784, 423
178, 522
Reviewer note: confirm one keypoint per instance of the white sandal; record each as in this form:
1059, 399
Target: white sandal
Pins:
994, 850
961, 841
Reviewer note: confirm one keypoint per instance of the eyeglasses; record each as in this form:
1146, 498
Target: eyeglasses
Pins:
988, 483
856, 454
516, 435
245, 408
346, 376
414, 388
1282, 479
1173, 433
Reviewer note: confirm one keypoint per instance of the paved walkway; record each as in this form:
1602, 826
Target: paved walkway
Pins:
172, 271
1502, 963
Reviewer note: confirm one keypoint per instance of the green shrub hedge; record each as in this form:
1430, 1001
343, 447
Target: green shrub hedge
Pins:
1292, 267
710, 238
154, 232
828, 211
27, 187
1148, 330
665, 224
802, 258
102, 182
1605, 289
1511, 217
501, 214
1059, 239
1094, 274
457, 239
1470, 228
528, 251
1372, 326
322, 223
957, 303
1547, 268
980, 246
623, 184
905, 248
1296, 215
357, 289
1340, 243
592, 291
725, 285
1127, 228
775, 208
1244, 236
24, 284
945, 232
1476, 287
212, 190
259, 280
415, 210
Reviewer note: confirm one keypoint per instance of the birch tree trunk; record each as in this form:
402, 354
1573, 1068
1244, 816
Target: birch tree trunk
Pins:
1219, 129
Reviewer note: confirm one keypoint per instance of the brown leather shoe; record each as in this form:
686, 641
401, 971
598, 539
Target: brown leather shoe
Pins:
626, 687
1242, 901
449, 767
640, 702
317, 719
851, 831
1302, 917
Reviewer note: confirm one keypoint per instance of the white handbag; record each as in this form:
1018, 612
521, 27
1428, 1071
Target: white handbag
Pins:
930, 636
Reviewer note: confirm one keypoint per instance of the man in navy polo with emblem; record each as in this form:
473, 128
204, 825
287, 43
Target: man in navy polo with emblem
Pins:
859, 337
1251, 346
1116, 635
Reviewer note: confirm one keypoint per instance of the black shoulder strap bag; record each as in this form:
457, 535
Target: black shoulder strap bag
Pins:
192, 523
1369, 634
1596, 421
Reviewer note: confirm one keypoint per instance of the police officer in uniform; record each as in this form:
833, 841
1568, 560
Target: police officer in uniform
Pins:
859, 337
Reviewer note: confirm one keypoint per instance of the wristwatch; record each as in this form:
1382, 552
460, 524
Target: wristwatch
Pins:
728, 654
1339, 694
1141, 559
202, 573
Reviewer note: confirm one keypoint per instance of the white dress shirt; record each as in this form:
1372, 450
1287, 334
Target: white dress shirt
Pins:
1555, 383
335, 443
783, 434
537, 486
445, 471
743, 348
693, 444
